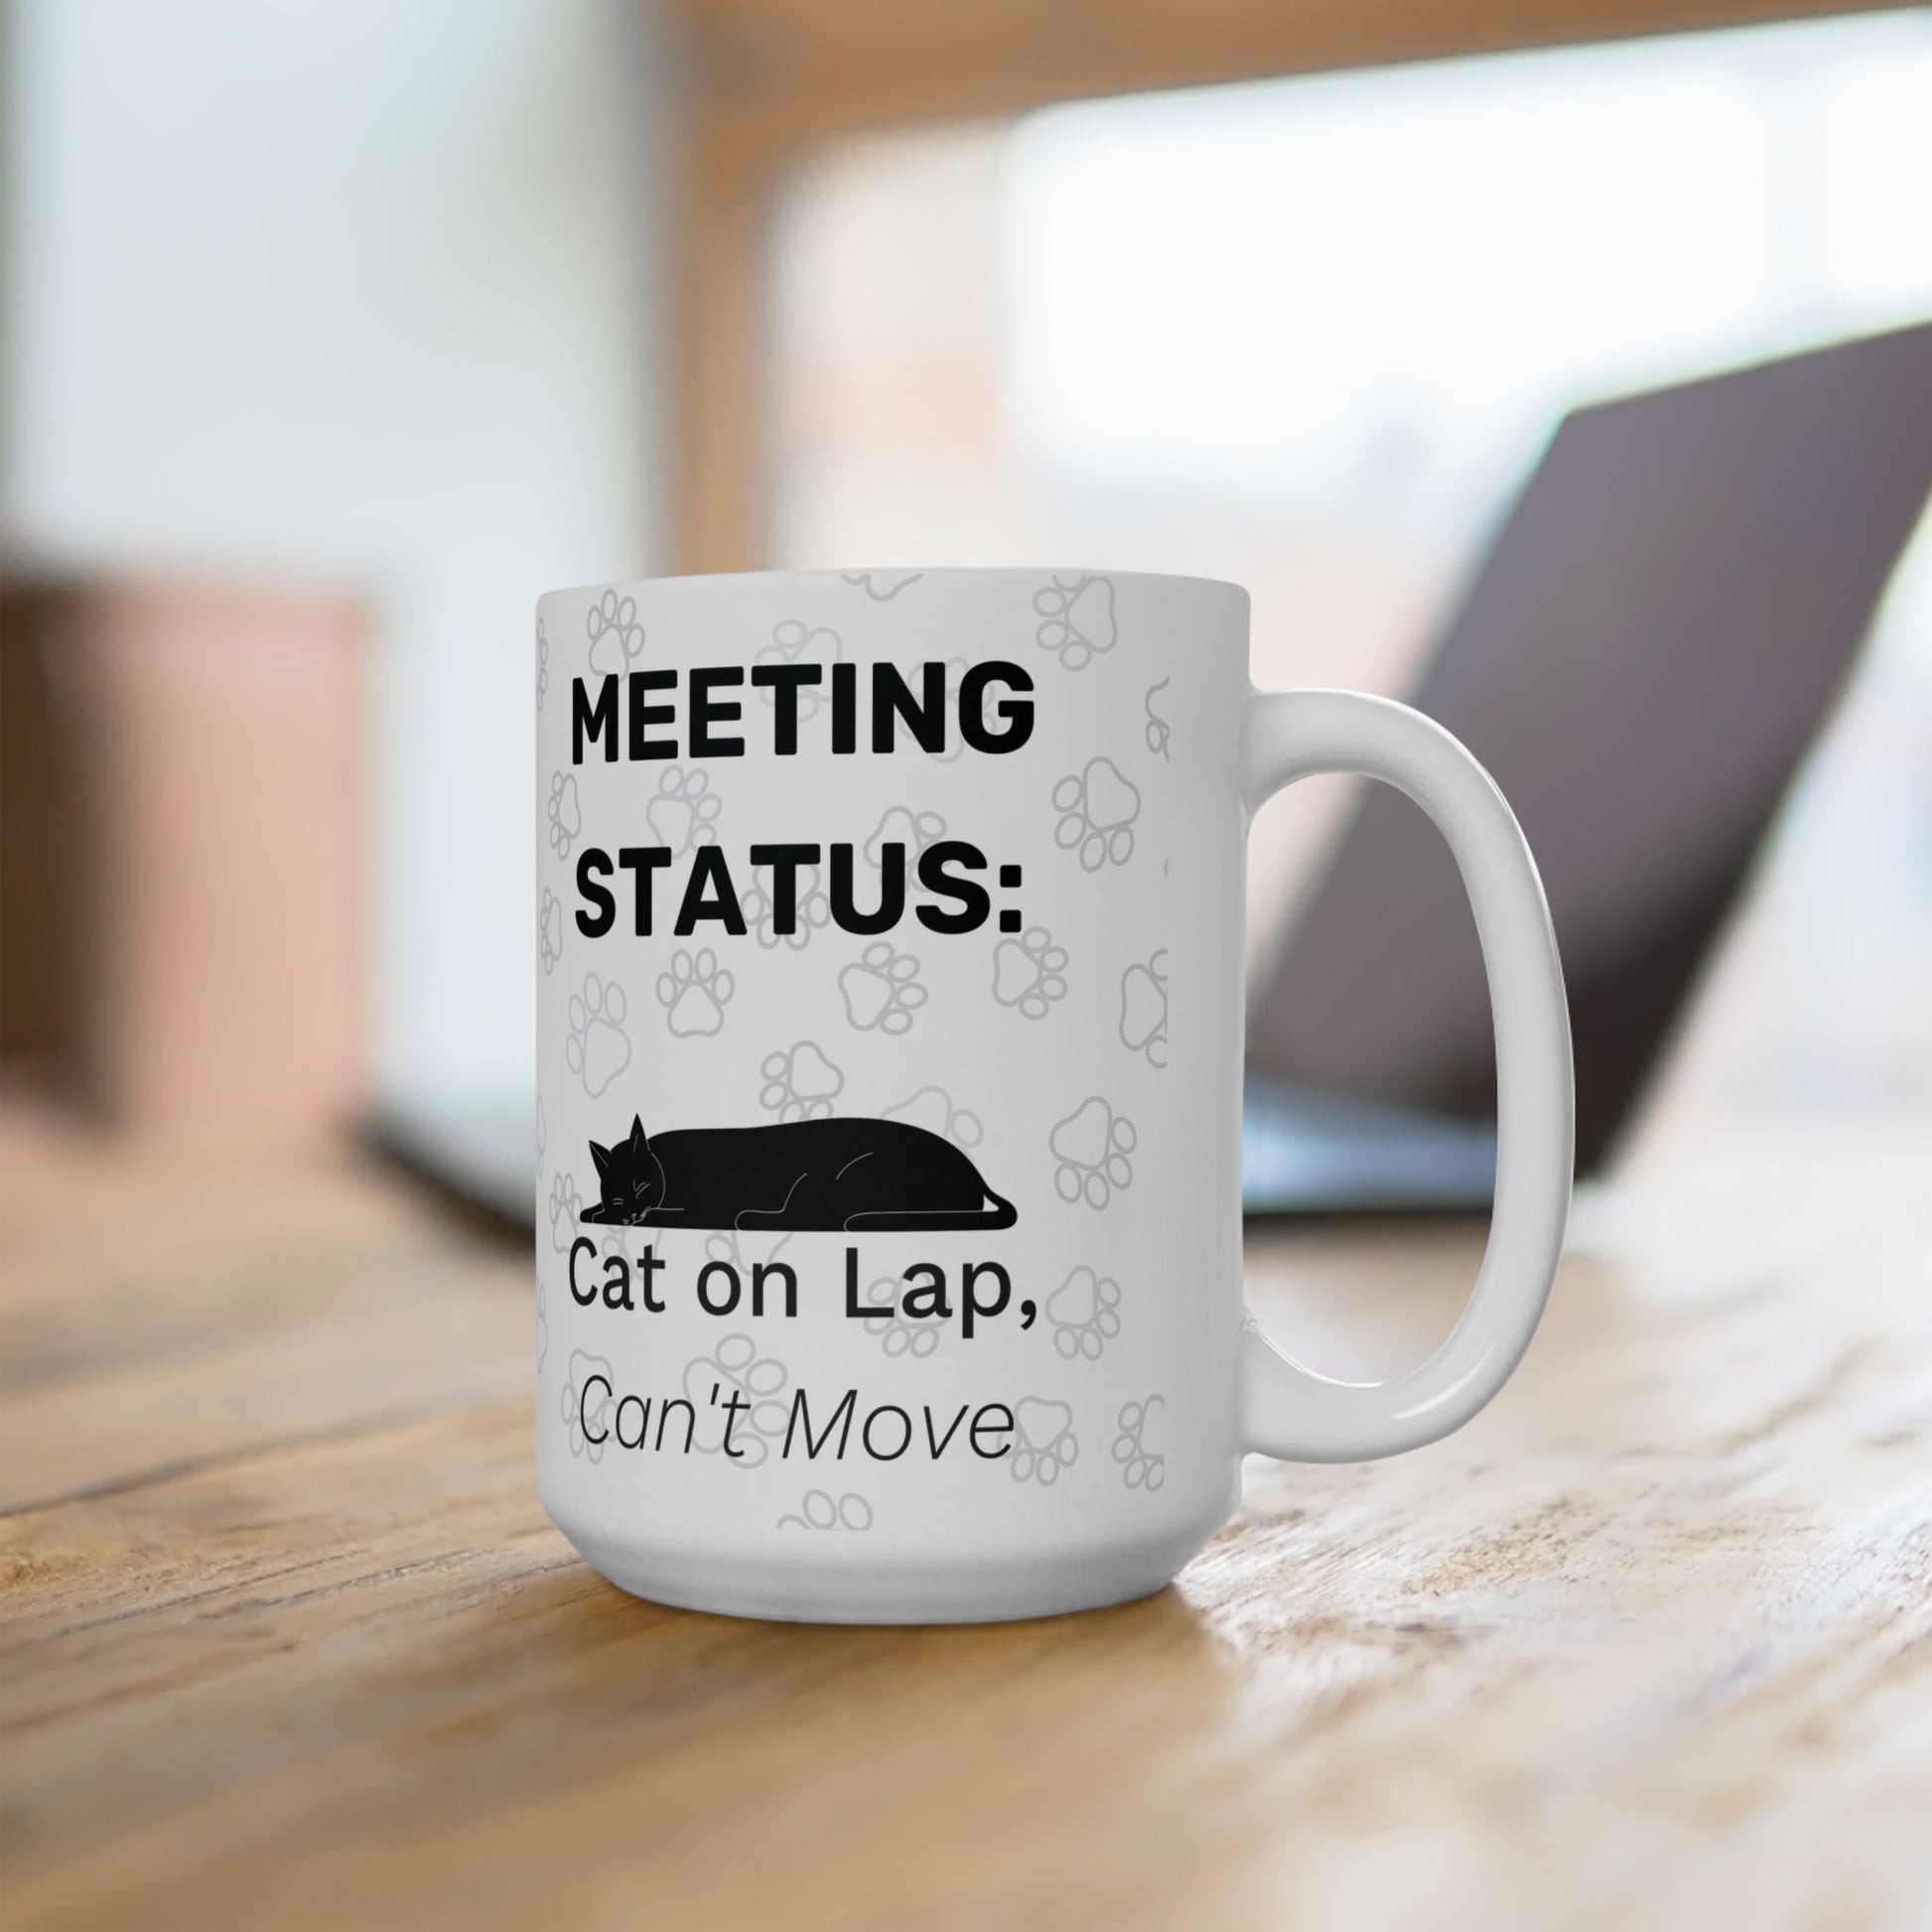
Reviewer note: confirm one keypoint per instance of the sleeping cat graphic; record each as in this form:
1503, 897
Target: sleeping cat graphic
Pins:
812, 1176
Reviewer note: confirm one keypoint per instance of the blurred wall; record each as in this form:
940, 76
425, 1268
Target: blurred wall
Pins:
356, 294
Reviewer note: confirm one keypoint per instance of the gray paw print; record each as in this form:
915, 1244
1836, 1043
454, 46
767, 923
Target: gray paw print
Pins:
794, 642
1157, 728
895, 1331
726, 1245
811, 912
1097, 807
550, 929
1078, 619
694, 992
564, 1208
1084, 1314
1141, 1467
1144, 1008
882, 586
800, 1083
820, 1510
596, 1046
584, 1430
684, 814
902, 826
617, 637
1092, 1145
1030, 973
543, 666
932, 1108
882, 990
1044, 1440
565, 814
709, 1382
625, 1244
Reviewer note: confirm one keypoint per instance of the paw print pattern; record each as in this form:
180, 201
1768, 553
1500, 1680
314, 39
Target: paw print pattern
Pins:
1141, 1465
597, 1047
543, 1292
617, 637
709, 1382
543, 666
1092, 1147
820, 1510
1076, 618
800, 1083
932, 1108
1030, 973
902, 826
1144, 1008
565, 816
1083, 1313
694, 993
1097, 807
882, 989
896, 1333
581, 1429
793, 642
811, 912
550, 930
882, 586
726, 1245
684, 814
1159, 732
1044, 1441
621, 1244
564, 1209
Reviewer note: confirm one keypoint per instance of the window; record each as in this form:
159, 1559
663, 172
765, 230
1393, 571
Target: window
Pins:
1310, 333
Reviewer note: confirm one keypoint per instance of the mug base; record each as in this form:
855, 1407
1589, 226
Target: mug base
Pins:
974, 1591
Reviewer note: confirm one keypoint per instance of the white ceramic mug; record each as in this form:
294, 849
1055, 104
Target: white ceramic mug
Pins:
890, 1044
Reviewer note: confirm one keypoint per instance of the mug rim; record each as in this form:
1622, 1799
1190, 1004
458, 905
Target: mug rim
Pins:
841, 574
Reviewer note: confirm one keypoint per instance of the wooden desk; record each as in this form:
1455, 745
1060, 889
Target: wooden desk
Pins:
286, 1640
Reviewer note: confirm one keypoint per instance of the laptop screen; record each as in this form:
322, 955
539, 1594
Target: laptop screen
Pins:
1641, 661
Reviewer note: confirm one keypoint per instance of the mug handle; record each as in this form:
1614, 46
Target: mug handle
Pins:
1288, 1410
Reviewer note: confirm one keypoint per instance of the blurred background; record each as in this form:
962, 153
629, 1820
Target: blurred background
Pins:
332, 334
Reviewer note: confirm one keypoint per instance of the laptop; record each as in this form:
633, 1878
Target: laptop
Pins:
1643, 659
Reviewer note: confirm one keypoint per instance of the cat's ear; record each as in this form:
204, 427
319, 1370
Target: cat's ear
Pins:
638, 1140
602, 1155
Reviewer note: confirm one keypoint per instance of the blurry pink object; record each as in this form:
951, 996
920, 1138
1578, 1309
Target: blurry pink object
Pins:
188, 821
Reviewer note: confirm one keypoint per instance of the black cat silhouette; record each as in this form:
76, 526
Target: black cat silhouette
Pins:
811, 1175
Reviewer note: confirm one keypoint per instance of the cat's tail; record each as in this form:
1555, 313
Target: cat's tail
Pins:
999, 1214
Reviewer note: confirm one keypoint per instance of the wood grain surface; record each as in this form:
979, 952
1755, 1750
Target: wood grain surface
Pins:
286, 1640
